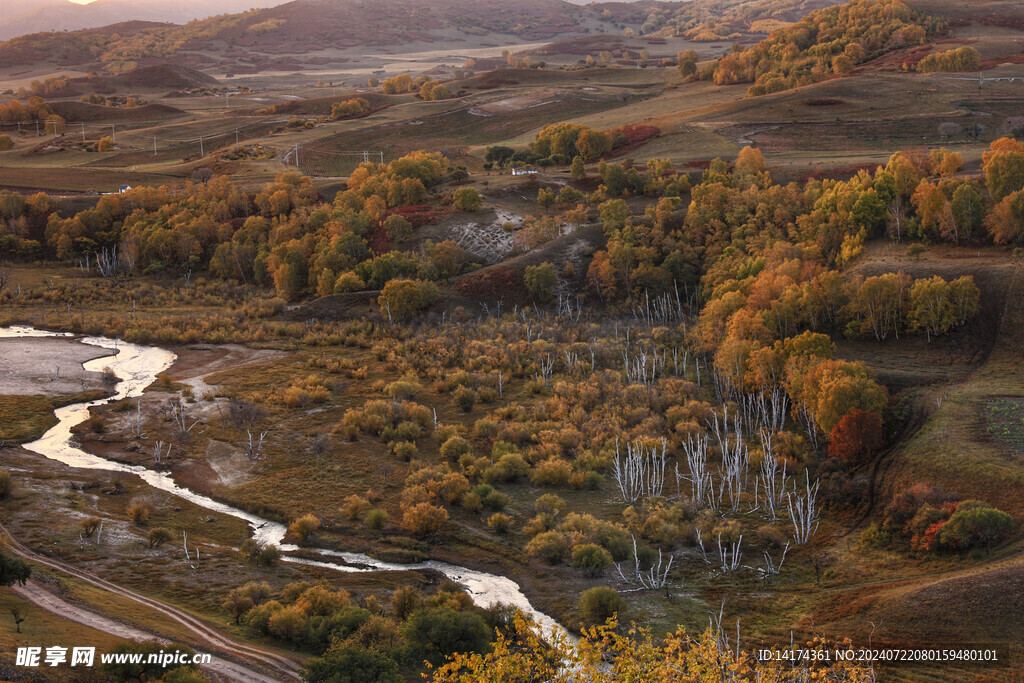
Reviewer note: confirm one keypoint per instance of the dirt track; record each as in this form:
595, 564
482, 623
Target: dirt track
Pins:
208, 639
38, 595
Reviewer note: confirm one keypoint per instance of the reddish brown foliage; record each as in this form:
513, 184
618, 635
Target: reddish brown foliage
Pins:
418, 214
378, 240
493, 80
856, 437
493, 282
635, 134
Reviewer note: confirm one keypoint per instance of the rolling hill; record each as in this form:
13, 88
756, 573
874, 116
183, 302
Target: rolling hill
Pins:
290, 36
21, 17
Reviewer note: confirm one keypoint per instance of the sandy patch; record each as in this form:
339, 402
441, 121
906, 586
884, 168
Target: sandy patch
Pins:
515, 103
197, 361
50, 366
229, 462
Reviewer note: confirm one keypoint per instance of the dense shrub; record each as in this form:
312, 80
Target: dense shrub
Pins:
591, 559
600, 603
975, 524
550, 546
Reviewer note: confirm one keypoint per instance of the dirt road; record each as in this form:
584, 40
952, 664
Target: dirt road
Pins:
219, 667
281, 668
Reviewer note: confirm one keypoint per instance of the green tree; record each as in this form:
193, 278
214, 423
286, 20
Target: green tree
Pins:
466, 199
398, 229
614, 213
578, 169
348, 664
968, 209
499, 155
13, 570
436, 632
541, 281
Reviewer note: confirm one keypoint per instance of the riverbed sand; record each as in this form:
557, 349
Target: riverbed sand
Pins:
29, 366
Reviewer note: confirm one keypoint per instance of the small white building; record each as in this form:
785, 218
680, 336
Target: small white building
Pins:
524, 171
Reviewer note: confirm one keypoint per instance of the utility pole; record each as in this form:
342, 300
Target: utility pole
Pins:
296, 155
366, 157
83, 131
201, 152
37, 127
154, 145
382, 157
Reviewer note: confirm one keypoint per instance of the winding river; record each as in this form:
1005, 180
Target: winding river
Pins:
136, 367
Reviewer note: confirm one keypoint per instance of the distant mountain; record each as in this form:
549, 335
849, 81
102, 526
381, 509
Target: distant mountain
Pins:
12, 7
21, 17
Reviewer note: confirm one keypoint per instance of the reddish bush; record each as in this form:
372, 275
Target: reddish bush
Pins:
856, 437
378, 241
418, 214
493, 282
634, 134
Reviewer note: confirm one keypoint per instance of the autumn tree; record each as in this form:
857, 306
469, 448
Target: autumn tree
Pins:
965, 297
829, 389
305, 526
1003, 165
237, 604
687, 62
400, 299
593, 144
55, 125
856, 436
881, 302
931, 306
424, 519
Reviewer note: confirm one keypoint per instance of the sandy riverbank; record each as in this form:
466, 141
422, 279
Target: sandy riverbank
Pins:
29, 366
